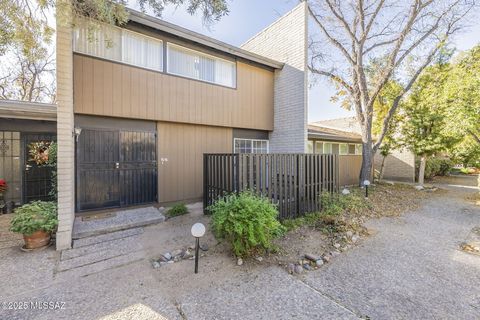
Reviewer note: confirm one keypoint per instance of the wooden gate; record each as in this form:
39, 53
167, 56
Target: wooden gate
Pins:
294, 182
115, 169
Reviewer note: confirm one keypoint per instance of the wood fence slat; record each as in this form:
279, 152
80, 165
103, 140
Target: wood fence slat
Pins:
294, 182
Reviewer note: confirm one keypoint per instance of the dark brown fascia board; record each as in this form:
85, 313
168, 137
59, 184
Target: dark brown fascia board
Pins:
180, 32
27, 110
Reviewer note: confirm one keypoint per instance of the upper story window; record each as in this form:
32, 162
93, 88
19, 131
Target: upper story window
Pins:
118, 44
196, 65
250, 146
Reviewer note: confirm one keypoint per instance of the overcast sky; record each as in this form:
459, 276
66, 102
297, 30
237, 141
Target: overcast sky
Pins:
248, 17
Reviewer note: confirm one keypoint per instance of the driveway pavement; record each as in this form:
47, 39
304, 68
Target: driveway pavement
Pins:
410, 268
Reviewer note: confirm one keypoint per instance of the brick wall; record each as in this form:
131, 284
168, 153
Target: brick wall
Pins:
65, 125
286, 41
400, 165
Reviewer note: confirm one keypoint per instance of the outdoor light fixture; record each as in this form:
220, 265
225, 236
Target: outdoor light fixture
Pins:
366, 183
198, 230
77, 131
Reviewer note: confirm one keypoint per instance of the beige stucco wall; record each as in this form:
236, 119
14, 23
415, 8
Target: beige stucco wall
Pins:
400, 165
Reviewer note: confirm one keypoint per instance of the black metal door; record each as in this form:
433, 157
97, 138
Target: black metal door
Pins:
115, 169
37, 178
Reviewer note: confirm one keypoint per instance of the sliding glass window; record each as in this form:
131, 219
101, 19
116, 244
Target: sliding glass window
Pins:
200, 66
118, 44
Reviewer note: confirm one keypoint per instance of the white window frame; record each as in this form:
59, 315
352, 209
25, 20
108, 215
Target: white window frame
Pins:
340, 149
331, 147
251, 140
123, 30
170, 44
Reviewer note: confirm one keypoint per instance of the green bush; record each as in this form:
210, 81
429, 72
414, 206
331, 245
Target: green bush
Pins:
435, 167
248, 222
177, 210
333, 205
35, 216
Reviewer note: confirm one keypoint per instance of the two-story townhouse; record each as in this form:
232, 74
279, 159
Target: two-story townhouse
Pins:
138, 106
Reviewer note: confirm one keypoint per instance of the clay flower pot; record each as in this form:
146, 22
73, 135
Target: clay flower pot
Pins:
37, 239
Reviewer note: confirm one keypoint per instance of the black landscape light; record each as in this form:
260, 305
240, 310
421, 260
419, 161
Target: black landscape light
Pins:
366, 183
198, 230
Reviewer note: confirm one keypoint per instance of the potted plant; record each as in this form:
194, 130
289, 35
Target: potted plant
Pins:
36, 221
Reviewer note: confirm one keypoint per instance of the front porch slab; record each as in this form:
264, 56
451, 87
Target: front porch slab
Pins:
122, 220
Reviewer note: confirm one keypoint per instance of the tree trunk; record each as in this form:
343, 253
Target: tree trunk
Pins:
421, 171
367, 161
382, 168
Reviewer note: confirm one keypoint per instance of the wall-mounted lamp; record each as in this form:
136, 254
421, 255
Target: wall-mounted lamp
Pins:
198, 230
366, 183
77, 131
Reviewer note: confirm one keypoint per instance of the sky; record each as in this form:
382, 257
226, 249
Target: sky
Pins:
248, 17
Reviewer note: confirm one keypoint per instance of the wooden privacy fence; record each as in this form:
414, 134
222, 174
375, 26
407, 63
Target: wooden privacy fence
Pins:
294, 182
349, 169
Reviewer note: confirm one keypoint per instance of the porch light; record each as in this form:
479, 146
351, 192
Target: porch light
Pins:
198, 231
77, 131
366, 183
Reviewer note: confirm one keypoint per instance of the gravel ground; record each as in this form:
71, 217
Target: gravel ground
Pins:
410, 268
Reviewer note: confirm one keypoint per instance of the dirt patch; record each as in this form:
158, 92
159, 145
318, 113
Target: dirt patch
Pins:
7, 238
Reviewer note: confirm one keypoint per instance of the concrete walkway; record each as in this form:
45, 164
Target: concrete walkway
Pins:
410, 269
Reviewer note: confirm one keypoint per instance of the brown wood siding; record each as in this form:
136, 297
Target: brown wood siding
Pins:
181, 177
107, 88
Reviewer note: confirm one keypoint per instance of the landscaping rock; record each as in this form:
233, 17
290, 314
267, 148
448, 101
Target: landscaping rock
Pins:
307, 267
239, 261
326, 258
162, 259
187, 254
349, 234
335, 253
419, 188
167, 256
204, 247
155, 264
298, 269
178, 253
312, 257
319, 262
259, 259
291, 268
355, 238
337, 245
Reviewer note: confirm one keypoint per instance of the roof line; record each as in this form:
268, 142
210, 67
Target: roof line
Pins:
181, 32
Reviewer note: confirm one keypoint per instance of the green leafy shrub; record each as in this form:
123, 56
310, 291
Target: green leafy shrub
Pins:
333, 205
435, 167
177, 210
248, 222
35, 216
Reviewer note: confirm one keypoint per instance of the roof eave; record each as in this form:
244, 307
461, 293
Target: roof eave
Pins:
28, 111
173, 29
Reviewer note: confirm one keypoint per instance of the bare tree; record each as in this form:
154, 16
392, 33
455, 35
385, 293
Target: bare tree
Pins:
404, 35
26, 78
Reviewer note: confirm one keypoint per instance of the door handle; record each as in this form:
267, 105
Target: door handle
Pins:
117, 165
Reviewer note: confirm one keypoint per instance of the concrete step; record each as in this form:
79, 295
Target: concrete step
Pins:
123, 219
102, 265
88, 241
75, 258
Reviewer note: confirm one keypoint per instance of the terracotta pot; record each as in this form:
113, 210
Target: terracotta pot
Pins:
37, 239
